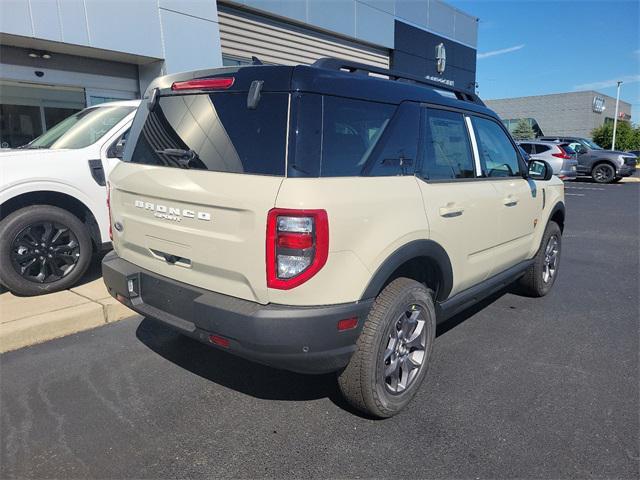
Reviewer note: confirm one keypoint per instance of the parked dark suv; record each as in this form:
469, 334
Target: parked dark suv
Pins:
604, 166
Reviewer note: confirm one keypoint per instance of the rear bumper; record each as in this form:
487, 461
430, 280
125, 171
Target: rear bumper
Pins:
300, 339
567, 175
568, 170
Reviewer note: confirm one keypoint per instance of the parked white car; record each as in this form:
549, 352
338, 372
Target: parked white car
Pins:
53, 211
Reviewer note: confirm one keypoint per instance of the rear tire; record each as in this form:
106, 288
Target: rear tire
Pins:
542, 273
603, 173
43, 249
393, 351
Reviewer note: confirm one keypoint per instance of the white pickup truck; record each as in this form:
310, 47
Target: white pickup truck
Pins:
53, 212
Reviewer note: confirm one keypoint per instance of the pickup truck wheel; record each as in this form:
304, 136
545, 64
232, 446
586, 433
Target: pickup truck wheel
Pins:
393, 350
603, 173
542, 273
43, 249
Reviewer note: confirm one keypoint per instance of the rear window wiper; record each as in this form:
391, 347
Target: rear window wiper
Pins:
184, 157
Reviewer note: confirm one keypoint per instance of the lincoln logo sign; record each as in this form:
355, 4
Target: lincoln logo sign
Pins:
171, 213
441, 58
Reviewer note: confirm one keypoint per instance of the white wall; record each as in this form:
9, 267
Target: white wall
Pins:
183, 33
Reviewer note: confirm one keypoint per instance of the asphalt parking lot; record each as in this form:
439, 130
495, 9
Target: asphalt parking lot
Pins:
518, 387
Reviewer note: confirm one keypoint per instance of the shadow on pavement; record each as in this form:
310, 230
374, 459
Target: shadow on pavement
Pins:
93, 272
254, 379
456, 320
231, 371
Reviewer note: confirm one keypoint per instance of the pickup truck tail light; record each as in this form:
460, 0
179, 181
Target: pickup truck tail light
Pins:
297, 246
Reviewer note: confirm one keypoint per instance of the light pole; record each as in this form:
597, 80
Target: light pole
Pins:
615, 119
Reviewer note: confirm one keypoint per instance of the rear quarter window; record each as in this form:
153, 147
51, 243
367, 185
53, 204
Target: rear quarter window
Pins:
344, 137
350, 131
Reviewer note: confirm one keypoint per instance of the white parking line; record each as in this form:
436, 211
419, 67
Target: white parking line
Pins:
576, 194
582, 188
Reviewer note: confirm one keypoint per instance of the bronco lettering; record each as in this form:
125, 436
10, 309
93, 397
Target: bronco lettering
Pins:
171, 213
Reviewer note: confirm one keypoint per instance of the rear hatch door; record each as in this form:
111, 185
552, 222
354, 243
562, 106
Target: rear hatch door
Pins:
193, 193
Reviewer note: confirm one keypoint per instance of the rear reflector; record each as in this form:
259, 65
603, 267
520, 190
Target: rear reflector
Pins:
220, 341
295, 240
221, 83
347, 324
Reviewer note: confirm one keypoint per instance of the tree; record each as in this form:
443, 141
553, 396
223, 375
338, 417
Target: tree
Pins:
627, 136
523, 131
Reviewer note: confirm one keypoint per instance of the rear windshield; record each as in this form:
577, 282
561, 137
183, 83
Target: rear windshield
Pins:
568, 150
216, 132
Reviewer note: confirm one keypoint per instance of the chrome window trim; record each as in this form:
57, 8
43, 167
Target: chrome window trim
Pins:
474, 145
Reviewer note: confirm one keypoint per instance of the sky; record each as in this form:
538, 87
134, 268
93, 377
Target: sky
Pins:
539, 47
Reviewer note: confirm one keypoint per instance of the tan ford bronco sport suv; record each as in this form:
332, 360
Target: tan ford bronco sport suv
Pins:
324, 218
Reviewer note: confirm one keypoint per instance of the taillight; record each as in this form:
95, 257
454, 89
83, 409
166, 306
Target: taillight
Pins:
297, 246
109, 210
220, 83
562, 154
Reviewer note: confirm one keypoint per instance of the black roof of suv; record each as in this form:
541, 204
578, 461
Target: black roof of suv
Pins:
340, 78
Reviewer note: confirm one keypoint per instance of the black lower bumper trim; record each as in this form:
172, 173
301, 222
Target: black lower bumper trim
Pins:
300, 339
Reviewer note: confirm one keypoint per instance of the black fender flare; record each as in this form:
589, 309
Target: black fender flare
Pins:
558, 207
417, 248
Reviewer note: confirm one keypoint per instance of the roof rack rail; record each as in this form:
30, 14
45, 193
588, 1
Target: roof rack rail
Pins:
340, 64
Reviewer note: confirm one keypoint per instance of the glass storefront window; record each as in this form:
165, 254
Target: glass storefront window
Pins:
19, 124
54, 115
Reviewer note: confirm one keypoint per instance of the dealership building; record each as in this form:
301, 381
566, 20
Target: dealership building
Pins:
567, 114
59, 56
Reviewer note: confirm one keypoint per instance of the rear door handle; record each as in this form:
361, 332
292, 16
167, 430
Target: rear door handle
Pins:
451, 210
510, 201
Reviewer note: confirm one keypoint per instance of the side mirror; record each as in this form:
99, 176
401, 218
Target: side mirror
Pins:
540, 170
117, 150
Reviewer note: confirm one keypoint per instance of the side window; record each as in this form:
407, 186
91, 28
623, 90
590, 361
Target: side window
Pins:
498, 157
397, 150
447, 151
542, 148
350, 131
527, 147
116, 149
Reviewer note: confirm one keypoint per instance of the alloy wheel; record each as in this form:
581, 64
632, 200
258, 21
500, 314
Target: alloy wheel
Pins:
603, 173
405, 351
550, 265
45, 252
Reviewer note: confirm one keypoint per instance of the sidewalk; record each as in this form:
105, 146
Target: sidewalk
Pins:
29, 320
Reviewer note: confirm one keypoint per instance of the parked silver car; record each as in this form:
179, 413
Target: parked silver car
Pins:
604, 166
561, 157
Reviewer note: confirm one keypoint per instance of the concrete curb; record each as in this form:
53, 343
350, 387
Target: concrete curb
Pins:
27, 321
630, 180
